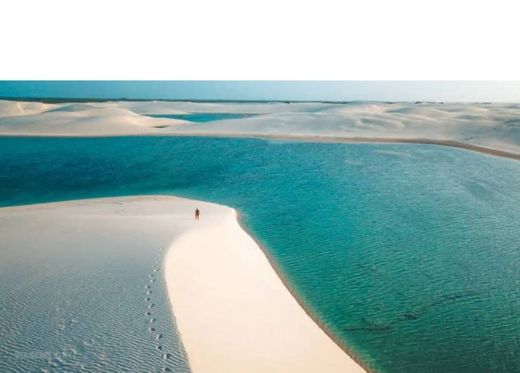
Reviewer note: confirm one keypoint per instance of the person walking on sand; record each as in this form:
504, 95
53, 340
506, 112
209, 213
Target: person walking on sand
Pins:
197, 214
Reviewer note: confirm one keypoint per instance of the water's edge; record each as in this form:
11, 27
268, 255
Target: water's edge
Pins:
297, 138
312, 314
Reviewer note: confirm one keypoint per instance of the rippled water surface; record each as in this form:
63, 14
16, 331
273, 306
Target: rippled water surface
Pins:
410, 254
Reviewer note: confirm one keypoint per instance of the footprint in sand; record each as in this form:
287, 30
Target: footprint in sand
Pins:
151, 320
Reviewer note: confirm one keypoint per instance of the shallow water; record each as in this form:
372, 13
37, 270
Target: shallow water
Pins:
408, 253
202, 117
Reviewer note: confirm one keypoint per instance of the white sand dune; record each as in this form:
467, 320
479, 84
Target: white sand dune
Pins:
15, 108
495, 126
233, 313
84, 119
490, 125
182, 107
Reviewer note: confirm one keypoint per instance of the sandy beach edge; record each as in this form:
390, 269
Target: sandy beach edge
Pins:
313, 315
174, 217
187, 320
299, 138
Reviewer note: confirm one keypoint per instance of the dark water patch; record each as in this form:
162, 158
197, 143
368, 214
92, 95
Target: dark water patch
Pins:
368, 326
439, 301
203, 117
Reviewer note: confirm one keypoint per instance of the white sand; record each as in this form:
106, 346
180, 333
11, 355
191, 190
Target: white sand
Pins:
490, 125
22, 108
80, 119
233, 312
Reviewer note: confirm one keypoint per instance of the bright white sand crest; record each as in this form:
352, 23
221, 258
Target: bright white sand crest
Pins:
234, 313
490, 125
14, 108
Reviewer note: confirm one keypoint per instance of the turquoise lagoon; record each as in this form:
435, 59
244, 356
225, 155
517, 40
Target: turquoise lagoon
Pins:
409, 254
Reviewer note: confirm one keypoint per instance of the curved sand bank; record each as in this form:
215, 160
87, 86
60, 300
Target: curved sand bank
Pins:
82, 288
234, 313
93, 260
490, 128
374, 140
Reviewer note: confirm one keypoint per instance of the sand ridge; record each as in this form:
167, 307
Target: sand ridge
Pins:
233, 312
491, 128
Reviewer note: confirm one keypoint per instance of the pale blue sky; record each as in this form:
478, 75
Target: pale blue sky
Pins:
270, 90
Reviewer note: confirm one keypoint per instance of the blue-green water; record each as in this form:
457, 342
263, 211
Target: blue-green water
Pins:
203, 117
409, 254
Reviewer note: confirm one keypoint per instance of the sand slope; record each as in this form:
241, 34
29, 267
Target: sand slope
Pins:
233, 312
491, 125
74, 282
15, 108
74, 270
80, 119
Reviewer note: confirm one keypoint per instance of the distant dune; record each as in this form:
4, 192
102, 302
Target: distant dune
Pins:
14, 108
489, 125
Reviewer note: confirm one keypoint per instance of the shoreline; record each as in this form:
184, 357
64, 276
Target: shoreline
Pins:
262, 317
255, 285
286, 282
298, 138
